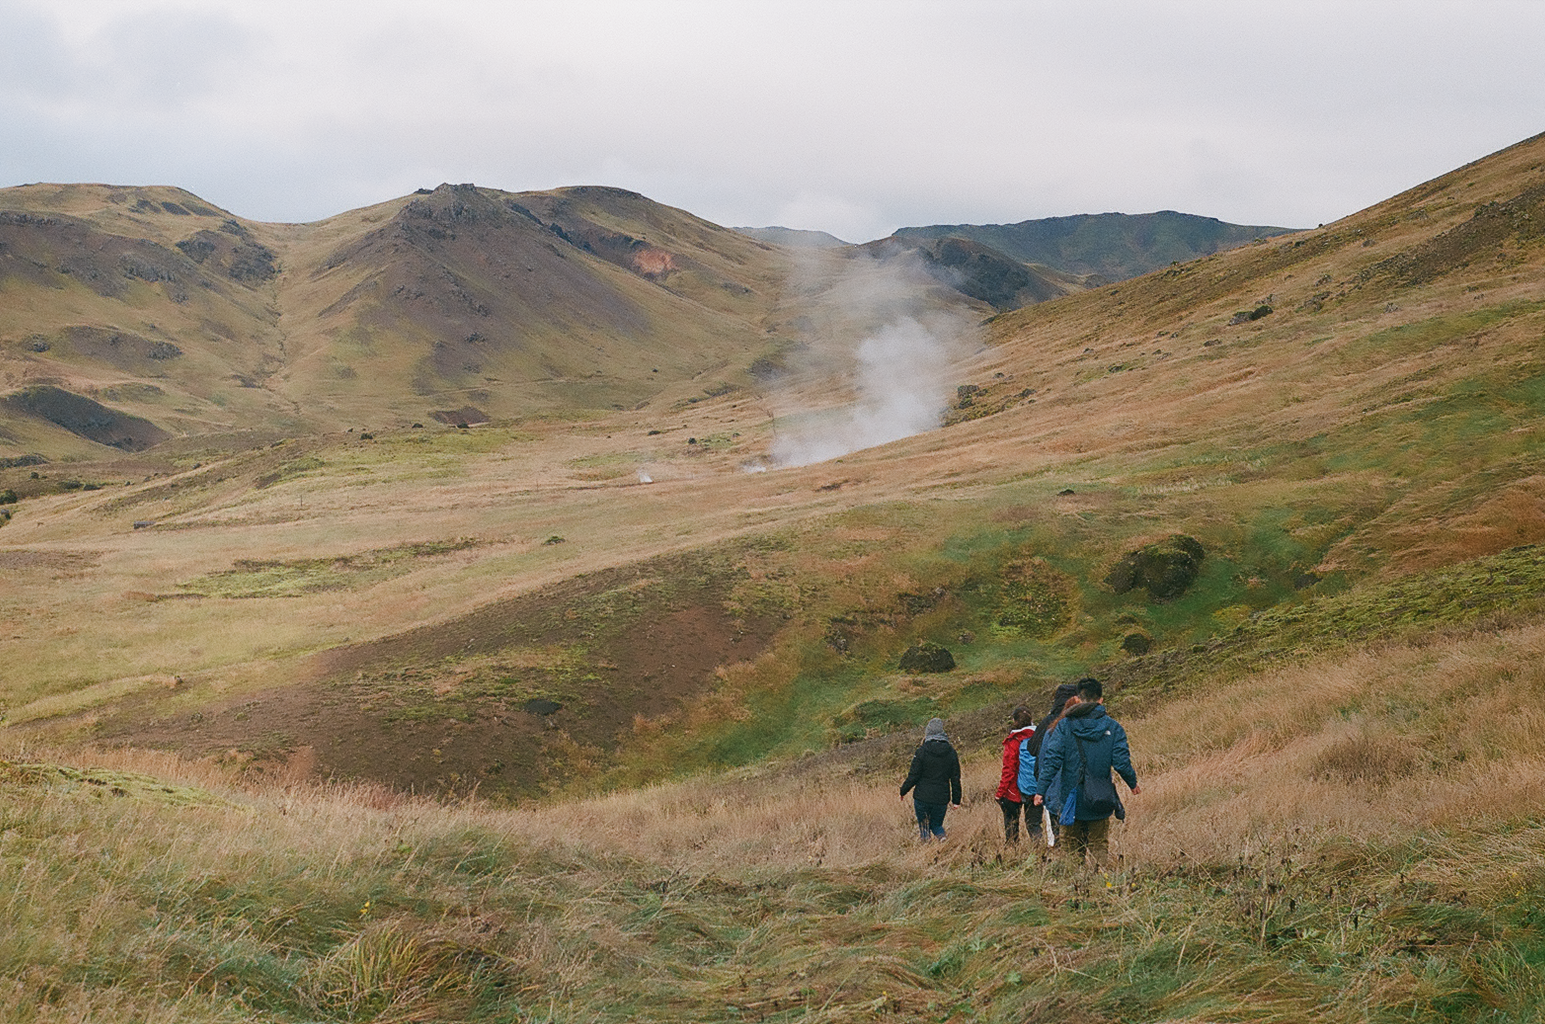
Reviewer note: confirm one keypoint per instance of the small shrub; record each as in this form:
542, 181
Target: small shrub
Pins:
8, 496
1137, 643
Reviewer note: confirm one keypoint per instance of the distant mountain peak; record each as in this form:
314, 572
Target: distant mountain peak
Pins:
1113, 246
794, 238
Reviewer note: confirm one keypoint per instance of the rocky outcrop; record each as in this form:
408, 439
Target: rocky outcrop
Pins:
1165, 569
927, 657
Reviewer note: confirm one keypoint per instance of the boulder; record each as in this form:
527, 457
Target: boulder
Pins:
927, 657
1165, 569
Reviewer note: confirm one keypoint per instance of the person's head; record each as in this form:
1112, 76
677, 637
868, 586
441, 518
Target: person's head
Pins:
935, 729
1023, 716
1065, 692
1090, 690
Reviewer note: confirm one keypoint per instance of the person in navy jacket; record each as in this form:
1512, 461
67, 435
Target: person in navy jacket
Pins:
1086, 736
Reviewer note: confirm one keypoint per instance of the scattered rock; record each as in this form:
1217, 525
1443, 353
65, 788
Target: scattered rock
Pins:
927, 657
1248, 315
1137, 643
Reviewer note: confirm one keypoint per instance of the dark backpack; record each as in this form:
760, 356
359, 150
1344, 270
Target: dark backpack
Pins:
1096, 793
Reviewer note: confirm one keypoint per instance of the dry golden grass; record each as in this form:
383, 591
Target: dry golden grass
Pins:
1390, 743
1262, 852
1378, 745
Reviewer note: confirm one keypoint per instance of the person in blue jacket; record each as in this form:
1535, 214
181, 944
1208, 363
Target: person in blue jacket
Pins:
1086, 737
935, 773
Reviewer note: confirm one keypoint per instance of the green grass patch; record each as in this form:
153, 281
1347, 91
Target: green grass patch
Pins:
1511, 583
271, 578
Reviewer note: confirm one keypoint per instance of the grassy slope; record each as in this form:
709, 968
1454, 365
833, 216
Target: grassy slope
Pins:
1302, 861
1360, 464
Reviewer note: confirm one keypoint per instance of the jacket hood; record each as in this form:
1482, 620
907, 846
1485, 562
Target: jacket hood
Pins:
1088, 720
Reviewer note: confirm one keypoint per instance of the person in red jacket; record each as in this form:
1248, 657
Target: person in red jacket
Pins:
1009, 797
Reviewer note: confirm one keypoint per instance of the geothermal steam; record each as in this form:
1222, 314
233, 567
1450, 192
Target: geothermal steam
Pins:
886, 332
899, 377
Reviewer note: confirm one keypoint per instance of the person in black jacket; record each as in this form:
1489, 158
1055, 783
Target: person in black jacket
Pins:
935, 775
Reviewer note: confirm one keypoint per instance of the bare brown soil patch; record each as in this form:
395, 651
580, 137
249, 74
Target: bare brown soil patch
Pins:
59, 562
458, 706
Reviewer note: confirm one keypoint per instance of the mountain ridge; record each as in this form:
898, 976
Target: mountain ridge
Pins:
1109, 246
477, 303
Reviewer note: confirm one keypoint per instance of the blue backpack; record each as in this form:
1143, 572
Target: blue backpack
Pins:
1026, 766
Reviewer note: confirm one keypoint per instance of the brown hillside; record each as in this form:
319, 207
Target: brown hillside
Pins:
161, 306
513, 303
1387, 320
458, 302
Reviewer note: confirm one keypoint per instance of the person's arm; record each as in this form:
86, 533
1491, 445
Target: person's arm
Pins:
1121, 757
1049, 764
1010, 771
913, 774
954, 778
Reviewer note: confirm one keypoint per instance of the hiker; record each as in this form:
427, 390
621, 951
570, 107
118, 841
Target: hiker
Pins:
935, 773
1076, 760
1009, 796
1029, 760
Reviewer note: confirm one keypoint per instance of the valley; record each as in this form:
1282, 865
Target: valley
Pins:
523, 580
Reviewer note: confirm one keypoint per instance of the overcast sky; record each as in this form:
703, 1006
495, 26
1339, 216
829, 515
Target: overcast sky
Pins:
846, 116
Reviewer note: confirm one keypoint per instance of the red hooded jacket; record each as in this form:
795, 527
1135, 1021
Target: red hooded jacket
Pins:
1008, 786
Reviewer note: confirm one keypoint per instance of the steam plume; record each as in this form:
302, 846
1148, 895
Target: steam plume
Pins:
891, 337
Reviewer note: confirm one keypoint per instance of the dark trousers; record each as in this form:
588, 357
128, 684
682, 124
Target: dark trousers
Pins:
1011, 812
1012, 809
930, 818
1087, 840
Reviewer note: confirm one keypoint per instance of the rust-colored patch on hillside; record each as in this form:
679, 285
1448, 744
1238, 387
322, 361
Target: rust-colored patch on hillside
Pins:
652, 262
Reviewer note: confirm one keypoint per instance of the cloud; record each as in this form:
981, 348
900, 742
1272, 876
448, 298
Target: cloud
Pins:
854, 118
